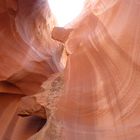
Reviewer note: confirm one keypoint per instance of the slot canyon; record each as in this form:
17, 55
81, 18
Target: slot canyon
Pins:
76, 82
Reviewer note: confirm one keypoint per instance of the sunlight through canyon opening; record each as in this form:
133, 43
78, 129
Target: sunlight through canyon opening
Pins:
66, 11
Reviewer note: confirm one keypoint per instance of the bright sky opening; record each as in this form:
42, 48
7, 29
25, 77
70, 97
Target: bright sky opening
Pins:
66, 10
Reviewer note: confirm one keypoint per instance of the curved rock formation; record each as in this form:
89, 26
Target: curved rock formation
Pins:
28, 57
98, 97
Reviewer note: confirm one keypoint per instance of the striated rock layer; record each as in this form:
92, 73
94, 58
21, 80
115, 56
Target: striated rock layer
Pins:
96, 97
28, 57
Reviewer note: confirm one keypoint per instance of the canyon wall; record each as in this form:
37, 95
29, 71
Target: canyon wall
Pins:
28, 56
95, 97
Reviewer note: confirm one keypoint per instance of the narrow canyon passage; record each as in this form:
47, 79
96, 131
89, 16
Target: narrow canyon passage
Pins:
77, 82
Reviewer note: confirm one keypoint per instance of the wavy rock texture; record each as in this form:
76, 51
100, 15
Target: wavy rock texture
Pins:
28, 54
28, 57
98, 97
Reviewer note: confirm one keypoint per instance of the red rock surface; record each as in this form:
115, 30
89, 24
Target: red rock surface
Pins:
28, 57
98, 97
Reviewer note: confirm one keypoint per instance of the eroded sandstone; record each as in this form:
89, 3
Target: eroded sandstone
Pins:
96, 96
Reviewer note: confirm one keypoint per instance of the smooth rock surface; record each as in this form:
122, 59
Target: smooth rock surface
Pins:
98, 97
28, 56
